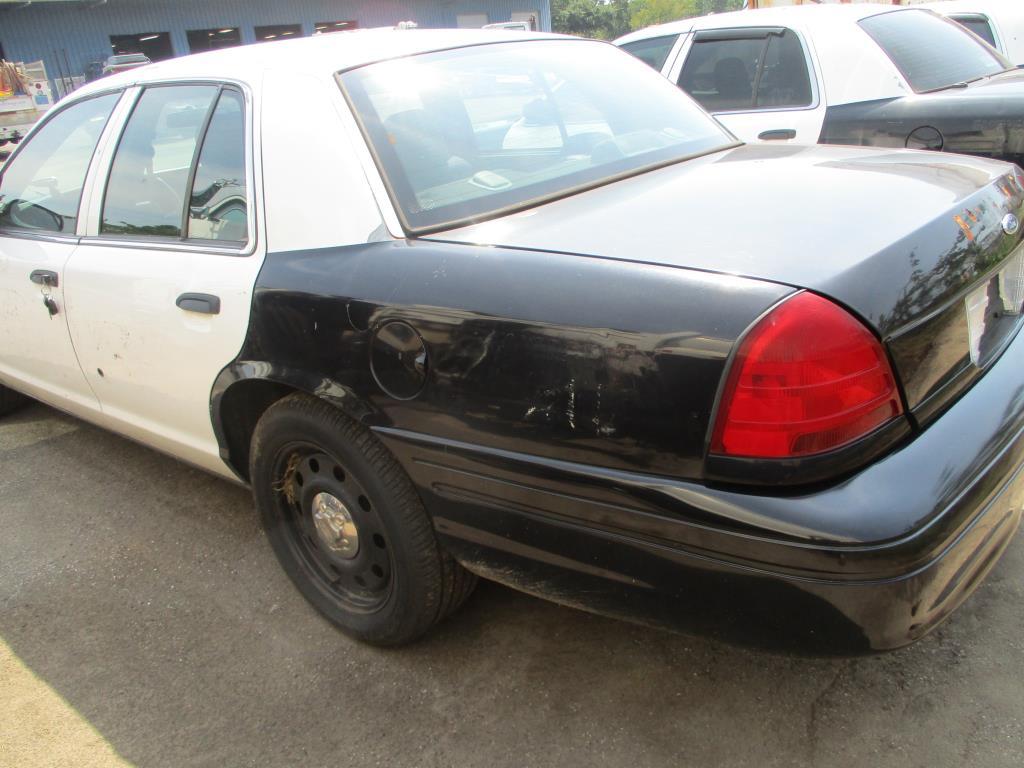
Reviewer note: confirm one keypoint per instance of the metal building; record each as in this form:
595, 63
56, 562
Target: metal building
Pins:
74, 37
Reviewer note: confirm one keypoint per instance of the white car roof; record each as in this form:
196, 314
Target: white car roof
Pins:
323, 54
803, 15
1007, 16
1001, 8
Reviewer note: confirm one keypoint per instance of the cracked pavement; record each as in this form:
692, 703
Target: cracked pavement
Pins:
143, 594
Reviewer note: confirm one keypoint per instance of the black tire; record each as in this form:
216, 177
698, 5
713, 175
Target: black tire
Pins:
386, 582
10, 400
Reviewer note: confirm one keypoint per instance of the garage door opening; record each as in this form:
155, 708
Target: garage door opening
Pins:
156, 45
326, 27
278, 32
200, 40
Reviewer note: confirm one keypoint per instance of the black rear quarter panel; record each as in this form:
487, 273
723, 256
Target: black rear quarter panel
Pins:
583, 359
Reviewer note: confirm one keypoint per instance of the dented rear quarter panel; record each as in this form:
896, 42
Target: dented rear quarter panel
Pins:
549, 354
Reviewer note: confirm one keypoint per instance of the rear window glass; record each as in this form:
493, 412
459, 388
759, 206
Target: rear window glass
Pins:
979, 25
474, 132
930, 51
652, 51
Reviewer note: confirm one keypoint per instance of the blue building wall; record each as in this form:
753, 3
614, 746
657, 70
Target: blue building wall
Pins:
47, 30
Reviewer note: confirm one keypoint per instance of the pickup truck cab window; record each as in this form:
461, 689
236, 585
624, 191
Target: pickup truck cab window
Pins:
41, 187
145, 194
746, 69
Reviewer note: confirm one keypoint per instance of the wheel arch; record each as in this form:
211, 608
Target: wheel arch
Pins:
244, 391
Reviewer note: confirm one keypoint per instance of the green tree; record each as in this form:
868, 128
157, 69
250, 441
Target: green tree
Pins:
718, 6
578, 17
617, 18
644, 13
609, 19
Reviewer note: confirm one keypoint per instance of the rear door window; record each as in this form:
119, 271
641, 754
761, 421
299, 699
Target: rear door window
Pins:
784, 80
41, 188
652, 51
746, 69
217, 202
930, 51
145, 195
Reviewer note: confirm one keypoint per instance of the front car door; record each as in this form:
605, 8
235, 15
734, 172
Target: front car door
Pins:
159, 290
40, 194
759, 82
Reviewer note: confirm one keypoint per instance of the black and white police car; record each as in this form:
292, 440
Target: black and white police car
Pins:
452, 305
862, 74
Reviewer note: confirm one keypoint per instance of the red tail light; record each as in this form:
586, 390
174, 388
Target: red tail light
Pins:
808, 378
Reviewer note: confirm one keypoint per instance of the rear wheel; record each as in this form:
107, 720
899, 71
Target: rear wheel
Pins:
10, 400
347, 526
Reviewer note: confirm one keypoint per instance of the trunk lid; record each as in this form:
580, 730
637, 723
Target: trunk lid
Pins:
901, 238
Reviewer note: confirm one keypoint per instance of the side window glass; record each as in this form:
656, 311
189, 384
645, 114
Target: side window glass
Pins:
148, 179
720, 74
41, 188
652, 51
217, 201
784, 80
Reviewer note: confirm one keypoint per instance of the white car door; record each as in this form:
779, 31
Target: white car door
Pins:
760, 82
40, 195
159, 291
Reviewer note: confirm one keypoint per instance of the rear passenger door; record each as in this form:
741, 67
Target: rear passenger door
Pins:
158, 291
759, 82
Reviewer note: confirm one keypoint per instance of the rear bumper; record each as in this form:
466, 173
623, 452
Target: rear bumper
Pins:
875, 561
897, 611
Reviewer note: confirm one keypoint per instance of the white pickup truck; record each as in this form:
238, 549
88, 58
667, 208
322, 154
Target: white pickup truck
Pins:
24, 98
17, 115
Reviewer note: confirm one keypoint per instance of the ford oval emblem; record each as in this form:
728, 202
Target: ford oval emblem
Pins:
1011, 224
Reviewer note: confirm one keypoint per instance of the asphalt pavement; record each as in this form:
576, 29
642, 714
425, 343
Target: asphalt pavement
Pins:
144, 621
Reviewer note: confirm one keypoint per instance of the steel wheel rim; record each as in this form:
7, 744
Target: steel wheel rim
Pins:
357, 573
